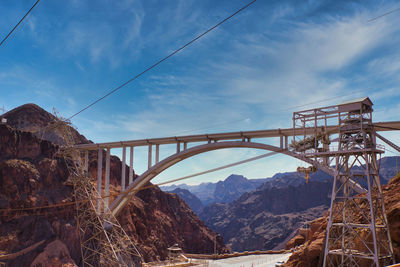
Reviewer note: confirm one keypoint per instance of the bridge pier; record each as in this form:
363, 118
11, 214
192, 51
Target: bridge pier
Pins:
99, 177
131, 166
123, 170
150, 156
107, 181
86, 161
157, 153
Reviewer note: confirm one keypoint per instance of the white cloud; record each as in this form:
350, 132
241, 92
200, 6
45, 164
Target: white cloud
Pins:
386, 66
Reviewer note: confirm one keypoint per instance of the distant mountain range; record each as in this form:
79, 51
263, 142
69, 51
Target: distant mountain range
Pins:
193, 202
224, 191
263, 213
264, 218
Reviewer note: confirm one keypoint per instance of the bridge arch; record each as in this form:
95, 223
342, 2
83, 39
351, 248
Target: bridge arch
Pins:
119, 203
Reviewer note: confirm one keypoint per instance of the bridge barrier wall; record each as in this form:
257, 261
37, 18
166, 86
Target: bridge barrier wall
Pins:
235, 254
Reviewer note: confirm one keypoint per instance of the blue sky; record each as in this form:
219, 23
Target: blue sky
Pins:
251, 73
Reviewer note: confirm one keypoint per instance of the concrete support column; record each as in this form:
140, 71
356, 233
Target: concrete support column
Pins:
281, 141
131, 166
123, 171
157, 153
184, 145
150, 156
107, 182
99, 177
86, 161
286, 142
178, 147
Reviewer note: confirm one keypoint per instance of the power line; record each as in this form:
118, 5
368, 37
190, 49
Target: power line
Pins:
385, 14
27, 13
163, 59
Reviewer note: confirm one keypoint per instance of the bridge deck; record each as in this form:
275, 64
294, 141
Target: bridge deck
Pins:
379, 126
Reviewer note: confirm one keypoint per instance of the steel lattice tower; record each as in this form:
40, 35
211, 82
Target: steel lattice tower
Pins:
357, 232
103, 240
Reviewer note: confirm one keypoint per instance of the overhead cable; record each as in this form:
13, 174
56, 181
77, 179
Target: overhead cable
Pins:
163, 59
385, 14
19, 22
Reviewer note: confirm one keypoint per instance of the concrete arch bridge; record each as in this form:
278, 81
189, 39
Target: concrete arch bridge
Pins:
333, 139
184, 150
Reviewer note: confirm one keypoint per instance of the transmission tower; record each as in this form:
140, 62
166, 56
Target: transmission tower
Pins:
357, 232
103, 241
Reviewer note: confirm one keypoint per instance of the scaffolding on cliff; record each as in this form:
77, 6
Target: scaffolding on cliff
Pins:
103, 240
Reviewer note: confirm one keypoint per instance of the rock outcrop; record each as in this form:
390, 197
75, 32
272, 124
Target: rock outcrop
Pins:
32, 175
55, 254
310, 252
32, 118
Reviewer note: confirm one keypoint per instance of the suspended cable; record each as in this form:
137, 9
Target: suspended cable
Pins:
385, 14
163, 59
19, 22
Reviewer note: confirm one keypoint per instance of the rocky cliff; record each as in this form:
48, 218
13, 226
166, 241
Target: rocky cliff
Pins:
310, 241
264, 218
32, 175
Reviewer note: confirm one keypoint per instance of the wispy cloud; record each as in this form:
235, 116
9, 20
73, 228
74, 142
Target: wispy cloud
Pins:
250, 73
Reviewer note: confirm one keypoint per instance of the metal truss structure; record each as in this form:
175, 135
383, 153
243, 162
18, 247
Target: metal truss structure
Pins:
357, 232
103, 241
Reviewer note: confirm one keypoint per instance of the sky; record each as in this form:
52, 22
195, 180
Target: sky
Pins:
251, 73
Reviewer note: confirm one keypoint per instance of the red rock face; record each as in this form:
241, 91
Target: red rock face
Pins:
32, 175
54, 254
311, 251
158, 220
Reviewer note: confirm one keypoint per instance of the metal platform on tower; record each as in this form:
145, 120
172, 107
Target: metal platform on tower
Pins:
357, 232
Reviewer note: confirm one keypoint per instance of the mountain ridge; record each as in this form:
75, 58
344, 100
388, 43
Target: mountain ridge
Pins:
224, 191
33, 174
